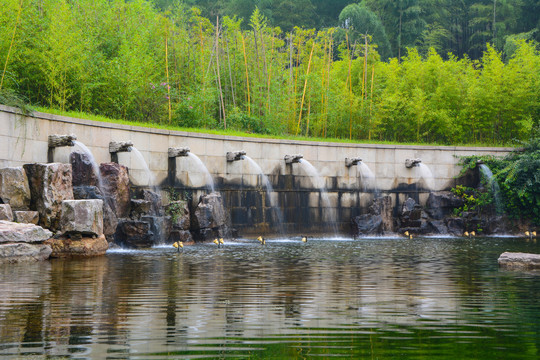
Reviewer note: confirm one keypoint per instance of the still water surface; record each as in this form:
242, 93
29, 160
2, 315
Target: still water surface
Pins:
368, 298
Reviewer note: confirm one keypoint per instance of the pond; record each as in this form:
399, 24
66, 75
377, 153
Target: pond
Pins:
377, 298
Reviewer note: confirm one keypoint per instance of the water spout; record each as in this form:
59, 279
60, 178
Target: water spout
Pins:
494, 186
291, 159
119, 146
55, 141
177, 152
410, 163
235, 155
352, 161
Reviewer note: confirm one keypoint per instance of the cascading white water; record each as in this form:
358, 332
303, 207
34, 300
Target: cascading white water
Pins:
423, 172
140, 159
201, 166
269, 191
330, 214
95, 166
367, 178
494, 186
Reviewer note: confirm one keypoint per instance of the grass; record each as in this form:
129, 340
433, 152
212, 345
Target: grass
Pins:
230, 132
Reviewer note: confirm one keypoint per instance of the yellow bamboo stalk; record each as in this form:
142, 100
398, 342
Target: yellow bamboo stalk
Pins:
11, 44
305, 87
350, 87
202, 66
371, 99
247, 75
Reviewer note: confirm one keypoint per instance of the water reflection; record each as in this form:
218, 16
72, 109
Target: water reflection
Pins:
384, 298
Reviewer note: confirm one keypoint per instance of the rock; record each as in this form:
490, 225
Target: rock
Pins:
408, 205
28, 233
180, 235
83, 169
160, 227
210, 213
379, 219
50, 184
85, 247
115, 179
134, 234
519, 260
110, 221
14, 188
368, 224
456, 226
140, 208
179, 213
83, 217
155, 202
5, 212
442, 203
26, 217
438, 226
24, 252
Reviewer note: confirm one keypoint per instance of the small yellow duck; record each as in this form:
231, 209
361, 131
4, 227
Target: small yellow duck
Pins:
261, 240
178, 245
304, 238
217, 242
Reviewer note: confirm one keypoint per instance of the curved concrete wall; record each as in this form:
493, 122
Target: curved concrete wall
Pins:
24, 140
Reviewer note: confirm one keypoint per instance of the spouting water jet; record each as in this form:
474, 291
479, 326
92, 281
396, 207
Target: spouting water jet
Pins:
292, 159
235, 155
119, 146
352, 161
55, 141
410, 163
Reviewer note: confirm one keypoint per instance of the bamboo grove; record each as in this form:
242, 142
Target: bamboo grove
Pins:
130, 60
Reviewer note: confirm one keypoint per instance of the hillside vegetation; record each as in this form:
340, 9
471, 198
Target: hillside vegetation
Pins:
352, 75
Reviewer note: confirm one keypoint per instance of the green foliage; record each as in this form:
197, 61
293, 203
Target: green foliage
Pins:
139, 60
518, 175
473, 199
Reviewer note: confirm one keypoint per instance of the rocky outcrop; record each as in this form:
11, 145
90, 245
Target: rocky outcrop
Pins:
83, 170
209, 218
377, 221
26, 217
24, 252
50, 184
442, 204
14, 188
5, 212
84, 247
110, 221
519, 260
179, 213
134, 234
140, 208
115, 180
11, 232
82, 217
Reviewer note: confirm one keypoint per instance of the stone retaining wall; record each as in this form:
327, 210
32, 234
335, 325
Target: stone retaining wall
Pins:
24, 140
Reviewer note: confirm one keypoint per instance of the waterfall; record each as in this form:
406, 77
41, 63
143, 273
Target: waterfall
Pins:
202, 167
318, 182
140, 159
494, 187
269, 191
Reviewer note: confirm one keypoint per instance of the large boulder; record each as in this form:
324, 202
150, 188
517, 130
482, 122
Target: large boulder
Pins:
210, 213
115, 180
83, 169
11, 232
82, 217
442, 203
140, 208
50, 184
85, 247
160, 227
180, 235
378, 220
134, 234
519, 260
26, 217
5, 212
110, 220
24, 252
14, 188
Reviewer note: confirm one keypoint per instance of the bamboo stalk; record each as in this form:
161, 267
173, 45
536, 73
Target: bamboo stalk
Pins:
247, 74
202, 67
218, 74
350, 87
167, 74
11, 44
230, 71
305, 87
371, 99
